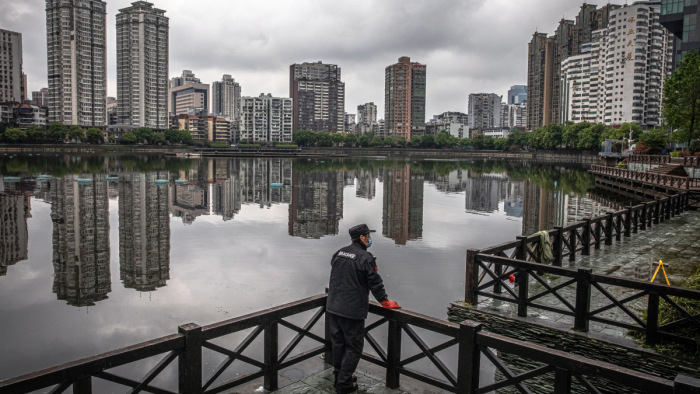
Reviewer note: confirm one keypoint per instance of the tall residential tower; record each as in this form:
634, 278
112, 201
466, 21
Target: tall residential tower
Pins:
318, 97
142, 66
77, 61
404, 98
11, 87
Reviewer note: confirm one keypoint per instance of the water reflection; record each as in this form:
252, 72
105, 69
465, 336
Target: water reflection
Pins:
80, 216
79, 231
144, 230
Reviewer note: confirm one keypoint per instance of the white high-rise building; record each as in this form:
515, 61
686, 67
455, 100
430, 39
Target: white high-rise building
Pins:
484, 111
514, 115
77, 61
226, 98
186, 78
11, 87
142, 66
619, 77
266, 119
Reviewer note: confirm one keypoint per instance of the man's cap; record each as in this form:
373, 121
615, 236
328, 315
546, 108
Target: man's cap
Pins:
360, 229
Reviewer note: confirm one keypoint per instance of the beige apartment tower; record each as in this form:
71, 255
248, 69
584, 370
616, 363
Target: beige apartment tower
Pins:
142, 66
77, 61
12, 88
404, 98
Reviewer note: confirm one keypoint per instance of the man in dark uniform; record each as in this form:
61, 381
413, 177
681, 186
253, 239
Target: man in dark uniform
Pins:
353, 275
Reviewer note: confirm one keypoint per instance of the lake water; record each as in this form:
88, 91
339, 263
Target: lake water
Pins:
98, 253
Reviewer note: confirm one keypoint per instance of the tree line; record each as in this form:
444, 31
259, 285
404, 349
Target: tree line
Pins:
58, 133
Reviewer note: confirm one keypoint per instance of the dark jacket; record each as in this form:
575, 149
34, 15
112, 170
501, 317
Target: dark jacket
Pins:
353, 276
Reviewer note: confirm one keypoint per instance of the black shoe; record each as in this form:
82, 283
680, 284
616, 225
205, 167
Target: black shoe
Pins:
345, 390
335, 380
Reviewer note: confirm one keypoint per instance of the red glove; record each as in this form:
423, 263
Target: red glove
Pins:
390, 304
511, 278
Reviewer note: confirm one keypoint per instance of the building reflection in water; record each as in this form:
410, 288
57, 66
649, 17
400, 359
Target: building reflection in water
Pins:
189, 197
144, 230
366, 184
226, 191
15, 207
80, 215
317, 203
266, 181
402, 213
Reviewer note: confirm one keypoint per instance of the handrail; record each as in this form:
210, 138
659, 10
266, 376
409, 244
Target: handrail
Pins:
467, 337
524, 263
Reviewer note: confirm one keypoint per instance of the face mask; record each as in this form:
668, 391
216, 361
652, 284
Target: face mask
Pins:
370, 241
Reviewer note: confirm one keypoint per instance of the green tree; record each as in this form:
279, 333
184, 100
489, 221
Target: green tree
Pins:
401, 142
3, 126
377, 141
444, 139
56, 132
416, 141
518, 138
364, 140
682, 98
351, 139
570, 136
428, 141
93, 135
129, 138
338, 139
501, 143
465, 143
655, 140
76, 133
159, 138
15, 135
144, 134
390, 140
591, 137
553, 136
35, 134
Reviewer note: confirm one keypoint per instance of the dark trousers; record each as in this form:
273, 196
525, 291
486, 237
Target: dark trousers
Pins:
348, 339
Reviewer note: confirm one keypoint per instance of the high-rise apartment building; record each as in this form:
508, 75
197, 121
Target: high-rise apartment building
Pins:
189, 98
318, 97
545, 55
620, 74
366, 118
142, 66
484, 111
226, 98
517, 94
404, 98
266, 119
40, 98
514, 115
681, 18
186, 78
12, 87
77, 61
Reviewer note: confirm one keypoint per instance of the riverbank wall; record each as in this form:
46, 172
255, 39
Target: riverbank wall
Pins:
586, 158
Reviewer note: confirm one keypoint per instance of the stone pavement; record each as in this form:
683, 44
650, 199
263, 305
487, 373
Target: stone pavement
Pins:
676, 242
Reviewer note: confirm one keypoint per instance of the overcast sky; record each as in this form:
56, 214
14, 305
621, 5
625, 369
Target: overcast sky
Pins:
469, 46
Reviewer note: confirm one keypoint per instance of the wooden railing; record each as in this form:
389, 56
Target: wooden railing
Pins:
650, 178
562, 370
687, 161
487, 269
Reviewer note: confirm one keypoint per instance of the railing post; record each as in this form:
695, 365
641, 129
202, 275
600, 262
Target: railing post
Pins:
628, 222
598, 234
618, 227
271, 351
471, 281
652, 319
583, 299
586, 237
684, 384
523, 281
562, 381
190, 360
469, 361
572, 244
520, 249
328, 353
678, 204
643, 222
393, 357
558, 246
656, 211
609, 228
83, 385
